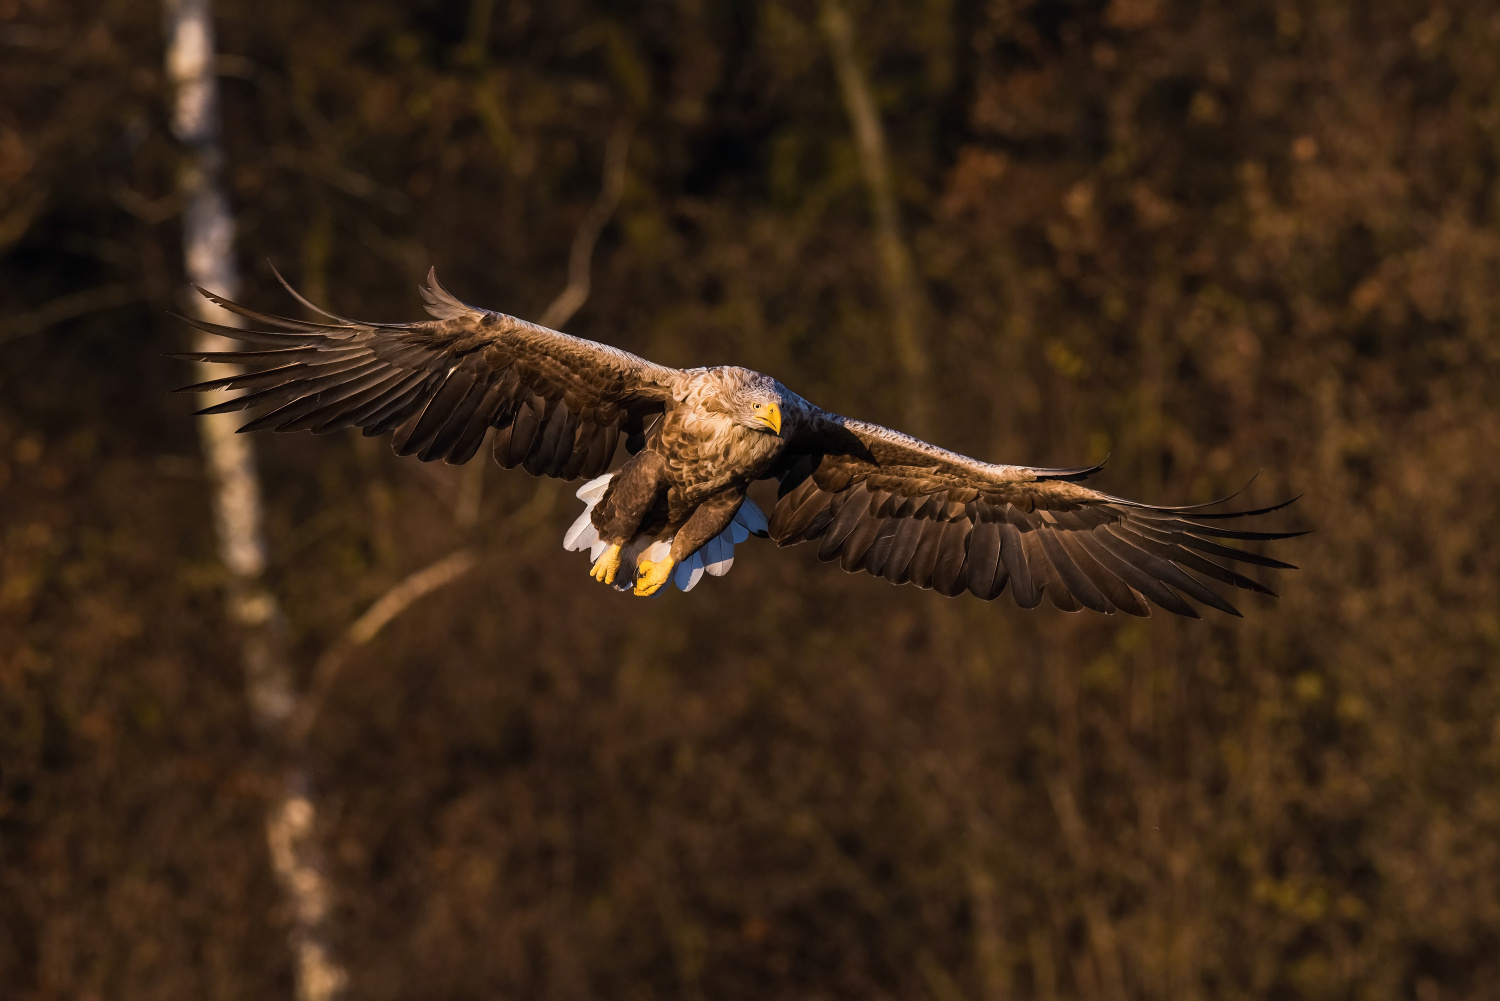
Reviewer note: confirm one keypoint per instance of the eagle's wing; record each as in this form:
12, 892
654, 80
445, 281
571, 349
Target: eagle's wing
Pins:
560, 402
877, 500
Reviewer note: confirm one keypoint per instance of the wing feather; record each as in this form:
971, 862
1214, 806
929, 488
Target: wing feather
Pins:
1075, 580
1134, 576
947, 575
1114, 590
422, 427
893, 506
903, 548
394, 404
929, 548
880, 548
857, 546
441, 383
1013, 555
302, 414
855, 507
984, 564
351, 394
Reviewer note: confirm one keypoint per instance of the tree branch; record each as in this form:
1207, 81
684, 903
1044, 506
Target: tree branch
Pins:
398, 599
903, 291
576, 293
66, 307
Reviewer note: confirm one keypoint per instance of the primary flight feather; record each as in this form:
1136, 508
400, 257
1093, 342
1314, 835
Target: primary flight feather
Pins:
871, 498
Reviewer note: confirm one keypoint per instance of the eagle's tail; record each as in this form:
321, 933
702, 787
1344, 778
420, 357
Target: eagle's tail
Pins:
713, 559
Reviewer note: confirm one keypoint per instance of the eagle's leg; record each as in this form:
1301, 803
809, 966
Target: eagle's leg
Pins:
708, 519
631, 495
606, 566
650, 577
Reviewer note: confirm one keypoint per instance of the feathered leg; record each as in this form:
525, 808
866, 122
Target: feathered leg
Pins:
705, 523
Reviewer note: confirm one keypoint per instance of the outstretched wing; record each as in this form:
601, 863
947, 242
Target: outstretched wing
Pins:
883, 502
559, 402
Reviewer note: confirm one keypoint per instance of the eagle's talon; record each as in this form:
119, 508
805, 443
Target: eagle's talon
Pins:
606, 566
651, 576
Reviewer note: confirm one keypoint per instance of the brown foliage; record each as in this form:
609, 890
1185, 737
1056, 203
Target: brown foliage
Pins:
1203, 238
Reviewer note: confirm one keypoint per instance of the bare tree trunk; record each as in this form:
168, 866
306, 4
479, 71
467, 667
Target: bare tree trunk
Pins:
903, 291
208, 245
283, 716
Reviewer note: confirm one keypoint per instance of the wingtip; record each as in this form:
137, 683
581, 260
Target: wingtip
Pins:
1237, 514
1071, 475
303, 300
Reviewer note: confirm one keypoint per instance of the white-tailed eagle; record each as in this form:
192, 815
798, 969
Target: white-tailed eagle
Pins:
870, 498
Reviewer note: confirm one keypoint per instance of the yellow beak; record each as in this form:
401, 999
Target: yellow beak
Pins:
770, 415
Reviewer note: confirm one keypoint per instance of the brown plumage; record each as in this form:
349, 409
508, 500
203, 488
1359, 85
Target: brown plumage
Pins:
870, 498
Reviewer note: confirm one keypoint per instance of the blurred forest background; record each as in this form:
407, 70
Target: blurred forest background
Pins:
1203, 238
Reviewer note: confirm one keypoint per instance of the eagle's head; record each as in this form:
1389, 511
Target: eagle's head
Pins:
754, 400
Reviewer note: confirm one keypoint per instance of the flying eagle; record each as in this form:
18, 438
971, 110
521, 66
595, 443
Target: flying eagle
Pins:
870, 498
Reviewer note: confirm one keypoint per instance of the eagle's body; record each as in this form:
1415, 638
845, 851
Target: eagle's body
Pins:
874, 499
706, 449
691, 477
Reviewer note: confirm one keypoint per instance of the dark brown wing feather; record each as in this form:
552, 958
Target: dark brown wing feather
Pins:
880, 501
560, 403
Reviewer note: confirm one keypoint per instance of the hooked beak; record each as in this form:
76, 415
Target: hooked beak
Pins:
770, 416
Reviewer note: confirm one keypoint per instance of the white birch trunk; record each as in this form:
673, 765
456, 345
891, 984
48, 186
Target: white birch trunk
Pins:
208, 253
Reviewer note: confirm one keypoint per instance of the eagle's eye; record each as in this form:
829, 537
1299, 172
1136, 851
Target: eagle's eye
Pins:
757, 406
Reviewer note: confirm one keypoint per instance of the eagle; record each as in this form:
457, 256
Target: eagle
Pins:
870, 498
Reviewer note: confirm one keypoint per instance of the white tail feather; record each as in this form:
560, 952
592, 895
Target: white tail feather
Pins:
581, 534
593, 490
718, 555
689, 573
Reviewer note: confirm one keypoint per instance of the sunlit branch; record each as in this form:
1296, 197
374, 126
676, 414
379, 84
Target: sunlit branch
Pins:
573, 295
903, 291
580, 259
387, 607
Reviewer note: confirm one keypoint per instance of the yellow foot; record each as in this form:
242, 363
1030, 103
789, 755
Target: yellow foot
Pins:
649, 577
606, 566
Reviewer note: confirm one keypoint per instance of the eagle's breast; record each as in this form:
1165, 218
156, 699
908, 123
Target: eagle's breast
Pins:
705, 447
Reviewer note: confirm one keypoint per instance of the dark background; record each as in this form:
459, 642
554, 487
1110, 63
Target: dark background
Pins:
1203, 238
